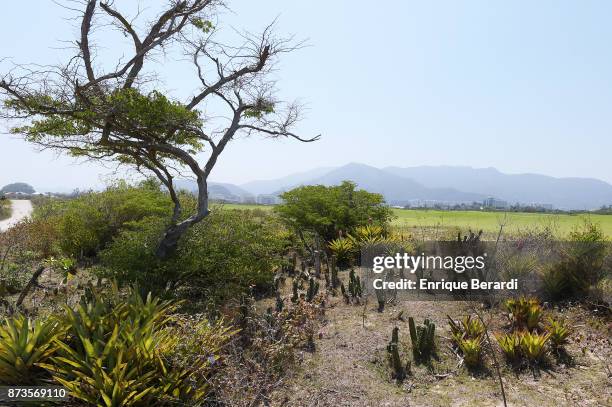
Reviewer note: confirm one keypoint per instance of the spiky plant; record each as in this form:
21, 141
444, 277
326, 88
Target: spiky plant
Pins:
533, 345
394, 356
423, 339
510, 344
472, 350
24, 343
559, 332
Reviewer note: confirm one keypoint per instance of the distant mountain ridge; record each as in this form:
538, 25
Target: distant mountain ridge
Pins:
446, 184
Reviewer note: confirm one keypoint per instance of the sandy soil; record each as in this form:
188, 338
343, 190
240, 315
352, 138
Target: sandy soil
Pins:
349, 367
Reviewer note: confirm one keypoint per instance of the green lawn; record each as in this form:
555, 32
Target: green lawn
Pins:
490, 221
476, 220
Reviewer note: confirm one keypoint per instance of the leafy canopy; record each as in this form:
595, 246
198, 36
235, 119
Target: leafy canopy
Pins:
329, 211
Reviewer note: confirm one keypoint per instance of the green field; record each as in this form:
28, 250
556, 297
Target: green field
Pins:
476, 220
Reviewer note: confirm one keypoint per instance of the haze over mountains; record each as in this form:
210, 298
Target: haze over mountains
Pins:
437, 183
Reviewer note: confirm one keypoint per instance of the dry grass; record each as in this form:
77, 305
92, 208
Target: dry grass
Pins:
349, 367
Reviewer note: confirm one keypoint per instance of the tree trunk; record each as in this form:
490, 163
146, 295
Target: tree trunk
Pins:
169, 242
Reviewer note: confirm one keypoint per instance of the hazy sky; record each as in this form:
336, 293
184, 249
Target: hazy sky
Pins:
522, 86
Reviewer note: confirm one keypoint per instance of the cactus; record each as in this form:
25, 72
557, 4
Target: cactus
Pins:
335, 281
313, 289
317, 263
295, 297
422, 338
394, 357
347, 299
279, 302
355, 288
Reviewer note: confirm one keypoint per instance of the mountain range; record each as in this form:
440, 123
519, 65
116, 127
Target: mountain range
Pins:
445, 184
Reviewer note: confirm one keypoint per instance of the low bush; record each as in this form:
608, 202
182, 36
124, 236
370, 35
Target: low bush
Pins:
228, 254
581, 265
86, 224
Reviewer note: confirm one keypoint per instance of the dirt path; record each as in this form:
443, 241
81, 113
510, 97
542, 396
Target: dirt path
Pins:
19, 209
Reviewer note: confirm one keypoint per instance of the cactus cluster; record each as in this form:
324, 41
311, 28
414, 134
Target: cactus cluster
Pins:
395, 361
313, 289
335, 281
355, 289
296, 296
423, 339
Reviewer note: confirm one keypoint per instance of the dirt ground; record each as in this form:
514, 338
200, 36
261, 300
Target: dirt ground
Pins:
349, 367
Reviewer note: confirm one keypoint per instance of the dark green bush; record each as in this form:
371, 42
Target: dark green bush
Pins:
86, 224
581, 265
224, 256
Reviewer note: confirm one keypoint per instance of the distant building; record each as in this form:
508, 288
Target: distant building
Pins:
494, 203
248, 199
267, 199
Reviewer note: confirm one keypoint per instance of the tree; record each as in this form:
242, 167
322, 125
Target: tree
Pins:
123, 114
18, 187
328, 211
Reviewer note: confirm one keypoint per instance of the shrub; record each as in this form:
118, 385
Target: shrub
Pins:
86, 224
581, 264
331, 211
344, 250
524, 312
24, 344
222, 257
468, 327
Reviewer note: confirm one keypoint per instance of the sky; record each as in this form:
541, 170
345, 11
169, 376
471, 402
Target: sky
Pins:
521, 86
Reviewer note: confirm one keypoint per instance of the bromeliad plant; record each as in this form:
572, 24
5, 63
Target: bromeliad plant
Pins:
118, 353
559, 332
468, 335
24, 344
472, 350
524, 312
510, 344
533, 345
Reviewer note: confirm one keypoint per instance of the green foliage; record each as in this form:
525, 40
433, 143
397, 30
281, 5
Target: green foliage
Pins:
581, 265
25, 343
468, 327
468, 335
510, 344
423, 339
524, 312
331, 211
121, 351
5, 208
222, 257
533, 345
472, 350
558, 331
88, 223
153, 114
344, 250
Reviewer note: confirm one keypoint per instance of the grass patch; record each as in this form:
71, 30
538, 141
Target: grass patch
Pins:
413, 219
